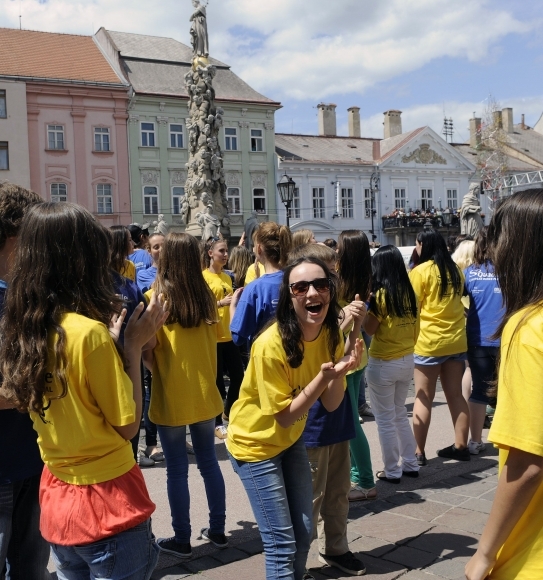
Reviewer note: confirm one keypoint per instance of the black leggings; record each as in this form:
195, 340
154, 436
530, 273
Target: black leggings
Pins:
229, 360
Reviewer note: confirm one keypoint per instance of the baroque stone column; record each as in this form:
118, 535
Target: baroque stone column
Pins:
204, 207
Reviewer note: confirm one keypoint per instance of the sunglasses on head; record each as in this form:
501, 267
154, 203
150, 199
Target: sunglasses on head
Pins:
321, 285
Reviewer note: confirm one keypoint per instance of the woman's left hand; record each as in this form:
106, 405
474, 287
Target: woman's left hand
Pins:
349, 362
478, 567
115, 325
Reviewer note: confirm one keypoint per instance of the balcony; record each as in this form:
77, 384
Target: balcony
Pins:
416, 220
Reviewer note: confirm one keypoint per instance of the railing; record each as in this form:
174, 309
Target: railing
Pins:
418, 222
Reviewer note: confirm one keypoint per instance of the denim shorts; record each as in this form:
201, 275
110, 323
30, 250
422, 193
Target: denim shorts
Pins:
429, 361
483, 365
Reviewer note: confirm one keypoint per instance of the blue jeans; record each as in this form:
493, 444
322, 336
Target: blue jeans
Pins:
130, 555
173, 441
281, 495
22, 549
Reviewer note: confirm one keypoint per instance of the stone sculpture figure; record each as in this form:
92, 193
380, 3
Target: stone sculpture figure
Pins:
198, 30
161, 227
470, 212
209, 223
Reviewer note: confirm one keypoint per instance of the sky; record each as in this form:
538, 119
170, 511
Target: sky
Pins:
427, 58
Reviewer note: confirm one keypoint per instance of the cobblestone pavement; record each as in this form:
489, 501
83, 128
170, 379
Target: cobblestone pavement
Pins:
422, 529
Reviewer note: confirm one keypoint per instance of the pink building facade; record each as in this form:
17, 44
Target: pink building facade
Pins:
78, 147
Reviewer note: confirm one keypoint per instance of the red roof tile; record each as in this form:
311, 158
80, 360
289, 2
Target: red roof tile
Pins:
28, 53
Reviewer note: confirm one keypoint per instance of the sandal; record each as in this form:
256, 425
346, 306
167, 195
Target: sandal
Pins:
381, 475
411, 473
157, 456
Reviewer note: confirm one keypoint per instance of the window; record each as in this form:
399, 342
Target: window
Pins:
367, 202
295, 205
230, 139
3, 108
426, 199
399, 197
59, 192
234, 200
257, 141
150, 200
101, 139
55, 136
4, 157
177, 194
176, 136
318, 202
347, 210
147, 134
104, 197
452, 198
259, 200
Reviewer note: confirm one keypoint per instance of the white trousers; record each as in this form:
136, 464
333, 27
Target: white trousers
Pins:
388, 382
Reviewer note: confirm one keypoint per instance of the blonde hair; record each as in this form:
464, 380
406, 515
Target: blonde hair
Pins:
301, 237
319, 251
275, 242
464, 254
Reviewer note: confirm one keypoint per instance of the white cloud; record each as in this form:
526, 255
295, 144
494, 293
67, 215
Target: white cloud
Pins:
310, 48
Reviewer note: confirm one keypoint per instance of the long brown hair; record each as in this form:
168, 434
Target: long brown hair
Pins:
61, 265
239, 261
276, 242
354, 265
180, 280
120, 246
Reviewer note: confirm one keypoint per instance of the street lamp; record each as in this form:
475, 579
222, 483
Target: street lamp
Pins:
447, 217
375, 183
286, 189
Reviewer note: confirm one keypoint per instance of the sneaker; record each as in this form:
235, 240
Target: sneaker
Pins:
452, 452
490, 411
421, 459
172, 546
365, 410
476, 448
218, 540
190, 448
347, 562
220, 432
358, 493
144, 461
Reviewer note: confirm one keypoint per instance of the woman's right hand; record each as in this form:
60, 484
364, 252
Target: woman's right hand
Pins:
349, 362
226, 300
236, 298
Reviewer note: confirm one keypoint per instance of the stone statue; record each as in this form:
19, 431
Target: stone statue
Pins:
470, 212
209, 223
161, 227
198, 30
250, 226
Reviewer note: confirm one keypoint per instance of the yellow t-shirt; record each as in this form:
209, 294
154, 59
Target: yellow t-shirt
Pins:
442, 324
184, 389
250, 276
269, 386
75, 434
129, 270
221, 286
517, 423
395, 337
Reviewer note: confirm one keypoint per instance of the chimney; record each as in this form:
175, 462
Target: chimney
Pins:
354, 122
497, 118
327, 120
376, 150
393, 123
522, 123
475, 133
507, 119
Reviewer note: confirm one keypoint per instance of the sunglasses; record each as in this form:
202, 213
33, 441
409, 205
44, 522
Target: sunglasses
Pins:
321, 285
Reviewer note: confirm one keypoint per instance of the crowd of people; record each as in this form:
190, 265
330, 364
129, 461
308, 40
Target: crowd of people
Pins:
271, 351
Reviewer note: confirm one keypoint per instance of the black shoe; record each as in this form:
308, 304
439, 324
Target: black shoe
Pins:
347, 562
421, 459
171, 546
453, 453
411, 473
381, 476
218, 540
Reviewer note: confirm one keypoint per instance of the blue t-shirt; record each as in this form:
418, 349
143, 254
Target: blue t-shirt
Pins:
486, 309
132, 296
256, 306
141, 259
21, 458
145, 278
324, 428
